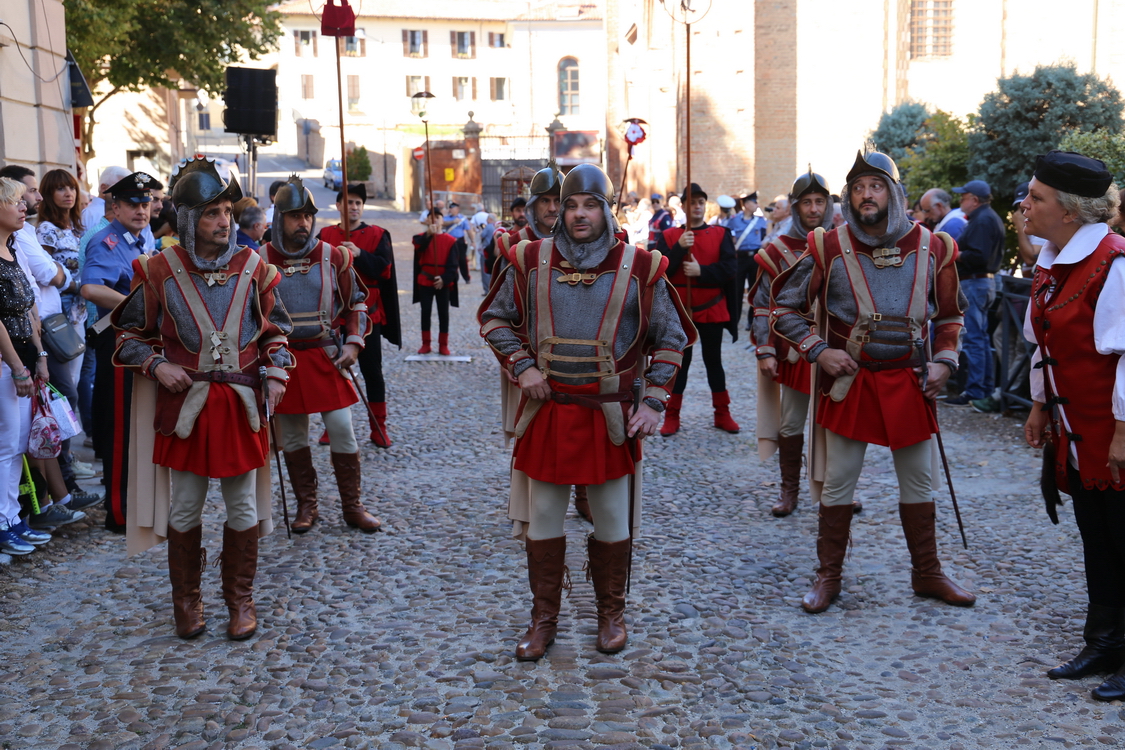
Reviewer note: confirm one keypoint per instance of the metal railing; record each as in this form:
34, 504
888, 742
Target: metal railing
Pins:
1015, 351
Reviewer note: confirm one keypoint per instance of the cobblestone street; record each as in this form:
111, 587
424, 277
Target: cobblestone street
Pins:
404, 639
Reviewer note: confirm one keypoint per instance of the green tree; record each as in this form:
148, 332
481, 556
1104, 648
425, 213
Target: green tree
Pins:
1028, 115
940, 158
359, 165
899, 129
129, 45
1099, 144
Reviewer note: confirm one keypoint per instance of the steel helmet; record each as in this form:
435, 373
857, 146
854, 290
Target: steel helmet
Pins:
587, 178
810, 182
874, 161
198, 183
547, 181
294, 196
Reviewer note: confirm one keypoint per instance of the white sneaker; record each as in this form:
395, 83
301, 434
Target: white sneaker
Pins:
83, 470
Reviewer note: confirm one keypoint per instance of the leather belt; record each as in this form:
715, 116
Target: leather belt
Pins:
593, 401
217, 376
896, 364
977, 276
312, 344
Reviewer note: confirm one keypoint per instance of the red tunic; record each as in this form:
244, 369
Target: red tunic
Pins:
1063, 321
366, 239
434, 259
706, 303
221, 443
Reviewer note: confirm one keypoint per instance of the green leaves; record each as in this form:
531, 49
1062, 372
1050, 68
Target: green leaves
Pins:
359, 165
1099, 144
134, 44
899, 129
939, 157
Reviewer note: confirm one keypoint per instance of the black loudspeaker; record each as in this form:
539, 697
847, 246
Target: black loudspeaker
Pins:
251, 102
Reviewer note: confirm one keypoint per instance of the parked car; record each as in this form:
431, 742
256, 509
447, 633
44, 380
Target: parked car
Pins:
333, 175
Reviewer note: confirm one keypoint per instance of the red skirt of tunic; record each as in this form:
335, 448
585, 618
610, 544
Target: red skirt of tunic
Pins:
884, 408
569, 444
315, 385
221, 442
795, 375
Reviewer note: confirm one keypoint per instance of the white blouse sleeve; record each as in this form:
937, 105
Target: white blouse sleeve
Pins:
1109, 329
1038, 391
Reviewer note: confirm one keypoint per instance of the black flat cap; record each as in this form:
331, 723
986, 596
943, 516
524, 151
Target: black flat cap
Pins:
695, 191
358, 189
1073, 173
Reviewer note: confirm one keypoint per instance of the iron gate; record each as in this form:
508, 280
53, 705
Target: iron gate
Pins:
503, 153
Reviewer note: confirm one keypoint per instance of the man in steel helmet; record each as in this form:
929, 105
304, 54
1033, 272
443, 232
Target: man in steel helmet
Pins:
201, 320
782, 413
880, 281
541, 210
573, 319
319, 286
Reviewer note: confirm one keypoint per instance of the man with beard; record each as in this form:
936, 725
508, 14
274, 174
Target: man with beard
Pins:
374, 262
702, 266
319, 287
880, 282
495, 260
573, 319
541, 211
107, 277
781, 417
202, 321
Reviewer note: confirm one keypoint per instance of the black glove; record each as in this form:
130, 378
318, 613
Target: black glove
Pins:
1047, 484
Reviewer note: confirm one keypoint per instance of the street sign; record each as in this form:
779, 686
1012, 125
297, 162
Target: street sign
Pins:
419, 154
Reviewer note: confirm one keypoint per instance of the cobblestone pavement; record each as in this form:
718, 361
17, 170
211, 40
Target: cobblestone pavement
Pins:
405, 638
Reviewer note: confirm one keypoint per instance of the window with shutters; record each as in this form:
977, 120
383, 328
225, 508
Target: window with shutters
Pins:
462, 88
415, 43
353, 93
931, 28
463, 43
414, 85
356, 46
306, 87
568, 86
498, 89
305, 42
204, 120
495, 40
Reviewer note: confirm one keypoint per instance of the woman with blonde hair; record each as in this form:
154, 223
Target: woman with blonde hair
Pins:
22, 365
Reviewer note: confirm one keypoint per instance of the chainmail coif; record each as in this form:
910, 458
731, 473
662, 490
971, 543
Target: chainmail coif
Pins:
586, 255
898, 222
187, 219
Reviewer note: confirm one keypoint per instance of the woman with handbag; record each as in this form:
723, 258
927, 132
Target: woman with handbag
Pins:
22, 361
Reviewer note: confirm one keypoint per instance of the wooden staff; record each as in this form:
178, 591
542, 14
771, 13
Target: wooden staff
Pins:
343, 150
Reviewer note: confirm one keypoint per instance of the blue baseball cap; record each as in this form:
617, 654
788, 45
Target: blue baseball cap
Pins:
979, 188
1021, 193
656, 197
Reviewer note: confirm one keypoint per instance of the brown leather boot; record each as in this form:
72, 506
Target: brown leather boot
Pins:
186, 560
302, 478
546, 574
926, 577
346, 466
835, 523
239, 566
582, 502
671, 423
608, 570
790, 451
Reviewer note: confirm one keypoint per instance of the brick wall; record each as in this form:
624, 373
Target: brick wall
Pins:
775, 59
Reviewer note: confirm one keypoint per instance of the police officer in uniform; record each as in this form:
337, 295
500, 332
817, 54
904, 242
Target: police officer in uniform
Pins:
106, 279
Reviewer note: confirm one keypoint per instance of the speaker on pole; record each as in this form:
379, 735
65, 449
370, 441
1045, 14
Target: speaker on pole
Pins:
251, 102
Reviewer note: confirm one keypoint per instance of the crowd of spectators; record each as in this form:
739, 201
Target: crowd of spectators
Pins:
50, 231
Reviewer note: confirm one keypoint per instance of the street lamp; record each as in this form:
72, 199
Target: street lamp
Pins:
418, 103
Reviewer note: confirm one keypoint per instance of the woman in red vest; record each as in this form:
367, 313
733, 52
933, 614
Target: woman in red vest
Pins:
1076, 316
437, 258
702, 267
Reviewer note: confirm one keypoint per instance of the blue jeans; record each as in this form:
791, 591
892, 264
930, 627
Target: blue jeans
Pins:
976, 344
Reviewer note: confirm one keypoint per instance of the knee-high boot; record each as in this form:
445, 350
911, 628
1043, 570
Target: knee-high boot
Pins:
186, 560
723, 420
835, 522
346, 466
926, 577
302, 478
1105, 645
546, 575
672, 415
790, 451
608, 570
239, 566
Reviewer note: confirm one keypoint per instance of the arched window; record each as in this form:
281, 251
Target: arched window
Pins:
568, 86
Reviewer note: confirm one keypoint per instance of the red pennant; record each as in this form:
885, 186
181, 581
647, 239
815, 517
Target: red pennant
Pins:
337, 20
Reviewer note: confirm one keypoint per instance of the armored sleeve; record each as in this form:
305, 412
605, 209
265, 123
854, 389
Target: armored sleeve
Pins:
138, 325
353, 300
498, 326
276, 326
794, 291
667, 341
760, 327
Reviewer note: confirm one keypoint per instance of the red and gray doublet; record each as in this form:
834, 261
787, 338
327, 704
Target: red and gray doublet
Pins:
1079, 381
713, 249
793, 370
878, 304
590, 333
220, 326
318, 288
